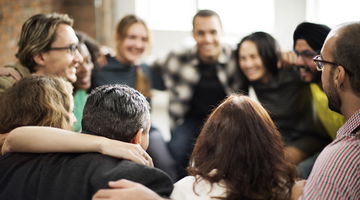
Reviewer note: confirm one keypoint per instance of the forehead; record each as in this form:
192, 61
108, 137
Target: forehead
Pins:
328, 46
302, 45
138, 29
65, 35
248, 47
207, 23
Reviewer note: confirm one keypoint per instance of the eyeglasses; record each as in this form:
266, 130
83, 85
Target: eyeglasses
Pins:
72, 48
320, 63
306, 54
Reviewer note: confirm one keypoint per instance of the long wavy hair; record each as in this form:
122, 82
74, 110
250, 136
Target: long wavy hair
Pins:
36, 101
242, 143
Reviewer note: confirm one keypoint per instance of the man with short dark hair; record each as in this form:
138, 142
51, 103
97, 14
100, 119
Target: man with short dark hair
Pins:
336, 173
197, 79
114, 111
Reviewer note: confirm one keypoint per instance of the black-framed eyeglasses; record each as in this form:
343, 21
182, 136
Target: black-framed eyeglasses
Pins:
306, 54
320, 63
72, 48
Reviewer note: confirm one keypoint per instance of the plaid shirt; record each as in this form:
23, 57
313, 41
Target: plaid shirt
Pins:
177, 72
336, 173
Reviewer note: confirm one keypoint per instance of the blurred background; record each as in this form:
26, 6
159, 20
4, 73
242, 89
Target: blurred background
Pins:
170, 22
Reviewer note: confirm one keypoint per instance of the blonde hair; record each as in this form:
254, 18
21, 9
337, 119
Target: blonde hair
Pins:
37, 34
36, 101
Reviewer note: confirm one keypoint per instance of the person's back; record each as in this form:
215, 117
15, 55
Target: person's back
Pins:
121, 113
71, 176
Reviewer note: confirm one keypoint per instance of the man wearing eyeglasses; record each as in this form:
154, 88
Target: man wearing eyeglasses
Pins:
47, 46
308, 40
336, 173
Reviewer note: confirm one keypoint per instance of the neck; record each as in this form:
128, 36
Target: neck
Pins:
350, 104
122, 60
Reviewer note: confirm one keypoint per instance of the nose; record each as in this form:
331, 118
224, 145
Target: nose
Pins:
78, 57
139, 43
300, 61
208, 37
247, 63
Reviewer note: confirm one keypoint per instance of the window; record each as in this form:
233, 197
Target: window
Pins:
237, 16
332, 12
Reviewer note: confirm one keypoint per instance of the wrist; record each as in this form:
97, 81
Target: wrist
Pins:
101, 144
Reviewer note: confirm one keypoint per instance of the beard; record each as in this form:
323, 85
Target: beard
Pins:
333, 97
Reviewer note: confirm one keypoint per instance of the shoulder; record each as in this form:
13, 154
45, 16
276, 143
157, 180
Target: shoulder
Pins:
184, 189
181, 55
112, 169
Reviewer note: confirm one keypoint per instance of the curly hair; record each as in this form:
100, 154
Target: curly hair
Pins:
36, 101
242, 143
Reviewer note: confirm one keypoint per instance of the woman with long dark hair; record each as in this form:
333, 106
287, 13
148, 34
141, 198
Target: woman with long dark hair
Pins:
281, 91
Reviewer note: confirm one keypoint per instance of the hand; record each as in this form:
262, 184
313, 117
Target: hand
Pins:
297, 189
124, 189
9, 71
294, 155
2, 140
104, 51
133, 152
288, 59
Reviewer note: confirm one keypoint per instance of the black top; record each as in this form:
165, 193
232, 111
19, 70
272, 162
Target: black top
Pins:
289, 102
116, 72
71, 176
208, 93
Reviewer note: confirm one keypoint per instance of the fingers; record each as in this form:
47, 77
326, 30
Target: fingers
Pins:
140, 155
15, 74
7, 71
108, 194
288, 58
122, 183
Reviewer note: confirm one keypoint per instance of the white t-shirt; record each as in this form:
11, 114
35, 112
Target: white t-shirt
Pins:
183, 189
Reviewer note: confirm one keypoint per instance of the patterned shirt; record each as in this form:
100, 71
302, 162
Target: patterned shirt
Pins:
178, 73
336, 173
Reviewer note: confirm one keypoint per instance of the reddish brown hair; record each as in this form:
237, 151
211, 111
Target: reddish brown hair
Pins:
241, 141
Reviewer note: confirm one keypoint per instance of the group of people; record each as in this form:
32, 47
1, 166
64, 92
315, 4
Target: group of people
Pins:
245, 123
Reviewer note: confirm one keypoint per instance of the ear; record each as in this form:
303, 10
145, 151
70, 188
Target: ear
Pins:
137, 137
339, 76
39, 59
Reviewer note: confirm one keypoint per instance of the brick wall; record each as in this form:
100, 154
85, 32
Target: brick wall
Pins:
13, 13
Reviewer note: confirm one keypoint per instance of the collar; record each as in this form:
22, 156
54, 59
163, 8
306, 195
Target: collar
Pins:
350, 125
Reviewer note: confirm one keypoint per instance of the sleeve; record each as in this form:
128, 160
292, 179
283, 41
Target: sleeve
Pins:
183, 189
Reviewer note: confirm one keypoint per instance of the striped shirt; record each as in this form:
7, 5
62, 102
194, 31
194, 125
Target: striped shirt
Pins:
336, 173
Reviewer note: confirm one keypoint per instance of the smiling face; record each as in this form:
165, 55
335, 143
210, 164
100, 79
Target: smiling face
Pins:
206, 32
62, 63
251, 63
83, 72
132, 47
304, 59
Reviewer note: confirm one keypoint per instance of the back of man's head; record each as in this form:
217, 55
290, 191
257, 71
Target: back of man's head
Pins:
313, 34
37, 34
116, 112
346, 52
